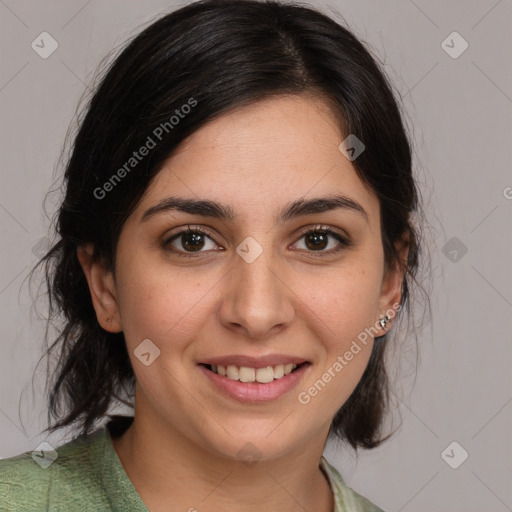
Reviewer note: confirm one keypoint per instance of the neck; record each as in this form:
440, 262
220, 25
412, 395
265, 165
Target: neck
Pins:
167, 467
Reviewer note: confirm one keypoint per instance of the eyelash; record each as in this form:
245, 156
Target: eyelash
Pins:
317, 229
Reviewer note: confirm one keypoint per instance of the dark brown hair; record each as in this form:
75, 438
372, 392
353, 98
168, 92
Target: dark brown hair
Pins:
224, 54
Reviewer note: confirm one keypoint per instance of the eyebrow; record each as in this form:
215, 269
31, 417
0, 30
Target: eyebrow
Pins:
295, 209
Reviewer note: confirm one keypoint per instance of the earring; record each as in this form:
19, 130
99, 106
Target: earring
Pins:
384, 321
109, 319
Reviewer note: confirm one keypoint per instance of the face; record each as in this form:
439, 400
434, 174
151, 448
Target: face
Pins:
250, 293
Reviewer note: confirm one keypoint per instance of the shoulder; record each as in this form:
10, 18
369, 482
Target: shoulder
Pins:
347, 500
23, 484
52, 479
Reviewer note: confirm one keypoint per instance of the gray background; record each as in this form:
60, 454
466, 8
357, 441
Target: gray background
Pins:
460, 110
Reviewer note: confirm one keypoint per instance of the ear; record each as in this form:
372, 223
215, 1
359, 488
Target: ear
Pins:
102, 288
391, 288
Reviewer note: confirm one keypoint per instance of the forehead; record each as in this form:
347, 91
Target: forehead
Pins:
259, 157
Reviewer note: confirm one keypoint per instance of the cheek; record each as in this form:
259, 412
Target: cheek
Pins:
345, 302
158, 306
341, 317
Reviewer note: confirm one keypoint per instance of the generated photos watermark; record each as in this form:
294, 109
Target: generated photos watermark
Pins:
150, 143
304, 397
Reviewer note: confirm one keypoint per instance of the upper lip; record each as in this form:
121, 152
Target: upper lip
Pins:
254, 362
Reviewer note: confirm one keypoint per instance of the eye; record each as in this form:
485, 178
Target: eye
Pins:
196, 240
188, 241
319, 238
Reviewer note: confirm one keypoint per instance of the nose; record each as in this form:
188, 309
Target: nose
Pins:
257, 301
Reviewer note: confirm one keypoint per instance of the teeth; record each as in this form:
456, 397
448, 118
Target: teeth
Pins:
261, 375
288, 368
246, 374
232, 372
278, 371
265, 375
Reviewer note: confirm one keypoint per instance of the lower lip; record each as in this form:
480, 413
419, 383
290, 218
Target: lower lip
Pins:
255, 392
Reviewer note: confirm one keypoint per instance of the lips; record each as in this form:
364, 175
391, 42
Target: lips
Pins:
254, 391
250, 369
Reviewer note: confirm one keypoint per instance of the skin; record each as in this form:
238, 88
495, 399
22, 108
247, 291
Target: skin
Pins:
182, 447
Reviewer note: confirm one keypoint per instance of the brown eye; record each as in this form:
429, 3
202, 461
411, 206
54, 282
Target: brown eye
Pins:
320, 239
317, 241
190, 241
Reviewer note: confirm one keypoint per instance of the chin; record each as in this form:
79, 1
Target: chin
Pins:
259, 440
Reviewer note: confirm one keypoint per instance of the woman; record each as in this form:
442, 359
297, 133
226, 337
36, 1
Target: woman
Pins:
235, 243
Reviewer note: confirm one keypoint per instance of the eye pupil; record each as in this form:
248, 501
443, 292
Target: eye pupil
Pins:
319, 240
192, 241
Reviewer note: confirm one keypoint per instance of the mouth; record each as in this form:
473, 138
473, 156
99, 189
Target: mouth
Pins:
254, 380
263, 375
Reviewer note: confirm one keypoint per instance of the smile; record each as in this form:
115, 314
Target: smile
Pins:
247, 374
253, 380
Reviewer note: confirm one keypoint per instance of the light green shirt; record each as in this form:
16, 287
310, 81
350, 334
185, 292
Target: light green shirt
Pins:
87, 475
